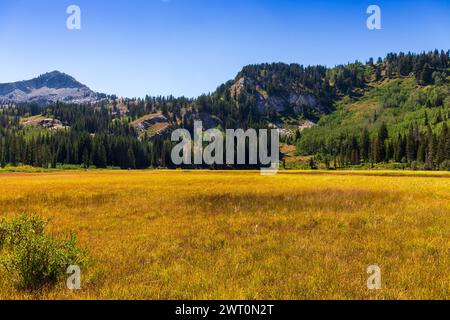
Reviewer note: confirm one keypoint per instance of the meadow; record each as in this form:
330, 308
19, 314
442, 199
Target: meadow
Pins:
239, 235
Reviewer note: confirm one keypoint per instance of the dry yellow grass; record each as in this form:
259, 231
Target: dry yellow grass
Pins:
239, 235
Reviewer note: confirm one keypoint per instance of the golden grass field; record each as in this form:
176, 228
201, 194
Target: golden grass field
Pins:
239, 235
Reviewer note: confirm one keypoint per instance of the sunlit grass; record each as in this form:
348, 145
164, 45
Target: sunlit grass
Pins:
239, 235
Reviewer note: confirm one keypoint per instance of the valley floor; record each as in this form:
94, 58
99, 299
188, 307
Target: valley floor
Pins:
240, 235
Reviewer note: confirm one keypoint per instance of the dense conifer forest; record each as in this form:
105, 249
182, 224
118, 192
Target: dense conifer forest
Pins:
391, 110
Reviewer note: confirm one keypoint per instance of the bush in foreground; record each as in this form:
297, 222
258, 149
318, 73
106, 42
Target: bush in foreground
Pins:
33, 258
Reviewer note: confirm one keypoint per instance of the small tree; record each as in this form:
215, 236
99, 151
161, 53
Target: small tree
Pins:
86, 159
312, 164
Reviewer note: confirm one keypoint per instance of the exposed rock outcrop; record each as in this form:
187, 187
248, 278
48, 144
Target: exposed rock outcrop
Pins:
48, 88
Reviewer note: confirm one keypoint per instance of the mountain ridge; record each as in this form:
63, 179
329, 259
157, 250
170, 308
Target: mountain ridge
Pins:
392, 111
47, 88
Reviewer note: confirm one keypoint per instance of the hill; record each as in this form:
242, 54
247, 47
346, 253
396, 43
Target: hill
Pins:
395, 120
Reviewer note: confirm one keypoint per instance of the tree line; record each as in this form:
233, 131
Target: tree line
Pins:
102, 134
419, 149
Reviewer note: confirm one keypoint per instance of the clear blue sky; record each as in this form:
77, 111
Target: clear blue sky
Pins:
188, 47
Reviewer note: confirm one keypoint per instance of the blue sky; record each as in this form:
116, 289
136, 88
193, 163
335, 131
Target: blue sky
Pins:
188, 47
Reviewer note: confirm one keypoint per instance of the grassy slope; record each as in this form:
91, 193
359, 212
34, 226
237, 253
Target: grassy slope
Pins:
406, 104
228, 235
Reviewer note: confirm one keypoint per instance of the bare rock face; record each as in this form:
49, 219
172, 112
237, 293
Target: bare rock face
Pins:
208, 121
295, 101
48, 88
300, 101
44, 123
152, 124
306, 125
52, 124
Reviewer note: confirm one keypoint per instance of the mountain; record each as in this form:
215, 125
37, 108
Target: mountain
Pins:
394, 112
47, 88
278, 91
278, 87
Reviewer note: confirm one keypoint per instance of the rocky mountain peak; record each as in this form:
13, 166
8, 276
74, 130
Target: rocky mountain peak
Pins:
47, 88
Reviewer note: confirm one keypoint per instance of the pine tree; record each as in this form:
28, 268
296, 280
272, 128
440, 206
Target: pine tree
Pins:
365, 145
430, 149
380, 144
130, 160
441, 153
411, 147
312, 164
86, 159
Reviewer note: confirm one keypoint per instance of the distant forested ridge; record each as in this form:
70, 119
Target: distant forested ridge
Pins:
395, 109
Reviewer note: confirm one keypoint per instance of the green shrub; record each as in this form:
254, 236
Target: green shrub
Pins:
33, 258
445, 166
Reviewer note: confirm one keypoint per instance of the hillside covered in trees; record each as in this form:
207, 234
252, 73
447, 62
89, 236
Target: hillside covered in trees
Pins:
392, 110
